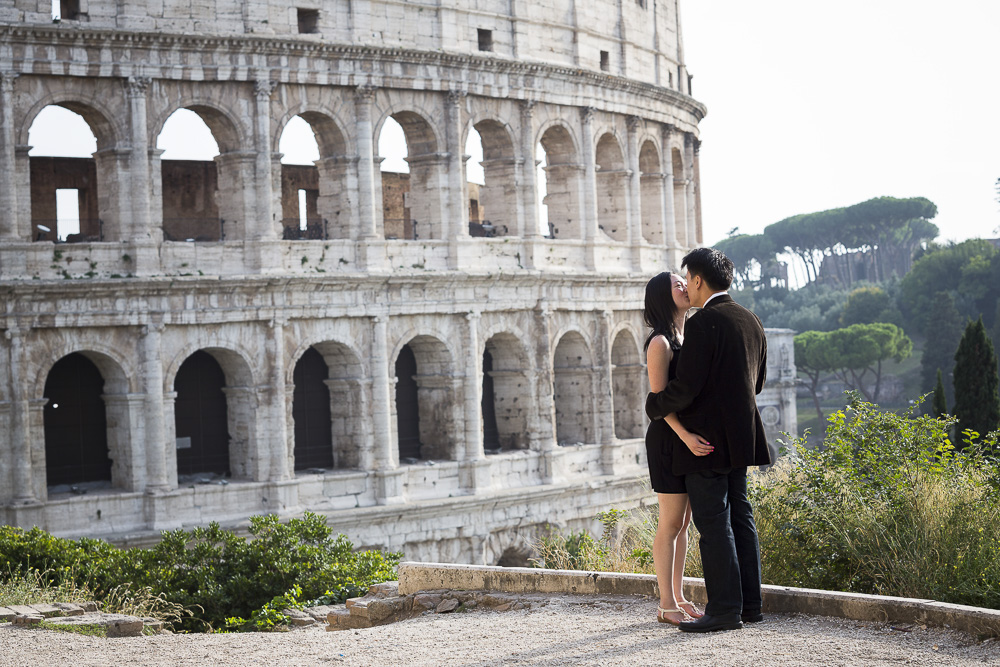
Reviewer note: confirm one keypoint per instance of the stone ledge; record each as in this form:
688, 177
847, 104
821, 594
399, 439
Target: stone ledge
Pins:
416, 577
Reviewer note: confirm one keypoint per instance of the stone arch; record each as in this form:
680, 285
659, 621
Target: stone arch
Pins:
651, 186
498, 197
507, 392
88, 416
202, 200
347, 392
563, 180
627, 385
422, 192
240, 402
436, 387
96, 179
573, 389
326, 182
612, 188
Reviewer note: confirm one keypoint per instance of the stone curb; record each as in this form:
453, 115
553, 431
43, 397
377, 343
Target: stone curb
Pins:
416, 577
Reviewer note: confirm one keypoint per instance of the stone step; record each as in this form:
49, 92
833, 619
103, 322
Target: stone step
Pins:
69, 609
23, 610
387, 589
7, 614
343, 619
46, 610
115, 625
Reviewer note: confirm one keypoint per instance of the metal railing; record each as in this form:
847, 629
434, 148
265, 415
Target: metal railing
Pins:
43, 230
486, 229
317, 229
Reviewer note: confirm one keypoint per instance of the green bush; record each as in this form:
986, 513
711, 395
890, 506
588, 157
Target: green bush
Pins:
887, 506
212, 572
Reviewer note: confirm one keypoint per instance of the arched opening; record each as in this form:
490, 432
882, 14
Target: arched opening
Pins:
507, 398
314, 179
407, 405
427, 410
492, 180
651, 186
562, 184
627, 386
573, 376
680, 199
311, 412
201, 417
413, 178
204, 176
63, 168
76, 432
612, 188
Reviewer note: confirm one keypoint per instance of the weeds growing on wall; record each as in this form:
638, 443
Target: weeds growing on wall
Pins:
888, 506
205, 575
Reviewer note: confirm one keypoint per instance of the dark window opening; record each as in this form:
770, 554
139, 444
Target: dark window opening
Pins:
311, 412
491, 434
485, 40
69, 10
308, 21
76, 441
407, 406
605, 61
201, 416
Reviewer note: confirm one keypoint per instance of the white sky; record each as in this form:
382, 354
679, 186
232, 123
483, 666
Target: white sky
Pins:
811, 106
817, 105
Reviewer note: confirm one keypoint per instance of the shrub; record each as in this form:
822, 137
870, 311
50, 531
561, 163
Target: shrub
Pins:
213, 573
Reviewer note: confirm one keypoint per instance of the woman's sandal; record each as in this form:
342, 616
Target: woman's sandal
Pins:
661, 611
693, 611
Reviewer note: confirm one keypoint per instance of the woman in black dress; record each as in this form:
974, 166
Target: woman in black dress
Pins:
666, 306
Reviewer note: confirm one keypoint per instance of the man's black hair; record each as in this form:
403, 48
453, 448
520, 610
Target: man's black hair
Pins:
712, 265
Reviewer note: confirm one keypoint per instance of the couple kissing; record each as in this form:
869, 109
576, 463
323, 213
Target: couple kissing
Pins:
705, 431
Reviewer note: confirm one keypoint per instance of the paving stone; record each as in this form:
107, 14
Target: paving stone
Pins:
69, 609
320, 612
46, 610
23, 610
28, 619
426, 601
7, 614
115, 625
154, 624
298, 617
447, 605
388, 589
344, 620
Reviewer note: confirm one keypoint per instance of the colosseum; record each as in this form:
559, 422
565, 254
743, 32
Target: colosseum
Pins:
437, 366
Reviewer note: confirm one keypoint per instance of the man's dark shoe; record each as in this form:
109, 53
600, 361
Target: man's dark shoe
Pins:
712, 623
752, 616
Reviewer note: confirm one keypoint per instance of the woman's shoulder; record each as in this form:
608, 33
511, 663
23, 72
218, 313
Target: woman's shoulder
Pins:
660, 345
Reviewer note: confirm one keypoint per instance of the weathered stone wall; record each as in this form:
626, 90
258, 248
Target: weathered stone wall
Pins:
252, 307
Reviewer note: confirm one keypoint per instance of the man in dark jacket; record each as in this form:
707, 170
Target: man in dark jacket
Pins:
720, 371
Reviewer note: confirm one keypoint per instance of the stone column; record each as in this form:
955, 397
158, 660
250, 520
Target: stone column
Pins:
278, 437
528, 192
696, 176
8, 161
19, 421
588, 209
669, 221
135, 88
115, 199
22, 184
605, 400
35, 430
689, 195
264, 224
457, 225
473, 390
388, 476
156, 435
551, 459
368, 208
634, 235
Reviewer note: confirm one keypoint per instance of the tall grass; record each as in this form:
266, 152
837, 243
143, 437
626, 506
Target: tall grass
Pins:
887, 506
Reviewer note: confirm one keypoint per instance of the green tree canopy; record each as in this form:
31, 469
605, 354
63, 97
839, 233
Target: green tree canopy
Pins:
939, 407
869, 304
977, 401
749, 252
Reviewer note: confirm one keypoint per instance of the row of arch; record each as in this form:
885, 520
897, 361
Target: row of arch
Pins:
86, 419
547, 170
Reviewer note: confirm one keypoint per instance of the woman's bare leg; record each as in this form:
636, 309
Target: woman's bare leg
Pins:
673, 507
680, 552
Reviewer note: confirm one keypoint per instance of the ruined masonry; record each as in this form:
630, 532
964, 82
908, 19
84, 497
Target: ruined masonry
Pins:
432, 365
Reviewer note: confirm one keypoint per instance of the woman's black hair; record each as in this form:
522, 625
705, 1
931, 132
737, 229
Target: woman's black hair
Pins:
660, 310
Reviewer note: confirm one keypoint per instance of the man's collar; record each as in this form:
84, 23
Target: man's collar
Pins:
709, 299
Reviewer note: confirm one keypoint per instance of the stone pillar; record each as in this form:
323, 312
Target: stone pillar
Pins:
388, 475
114, 197
368, 208
605, 417
473, 391
264, 226
277, 439
20, 421
696, 176
8, 161
36, 446
457, 225
689, 195
669, 221
551, 454
588, 212
135, 88
634, 234
22, 184
156, 434
528, 192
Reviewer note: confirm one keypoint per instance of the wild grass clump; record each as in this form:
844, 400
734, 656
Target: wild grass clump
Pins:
197, 579
888, 506
624, 545
35, 587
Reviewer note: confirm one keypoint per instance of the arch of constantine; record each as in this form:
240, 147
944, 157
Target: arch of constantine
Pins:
437, 366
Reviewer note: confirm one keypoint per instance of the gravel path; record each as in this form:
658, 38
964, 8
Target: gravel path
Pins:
557, 630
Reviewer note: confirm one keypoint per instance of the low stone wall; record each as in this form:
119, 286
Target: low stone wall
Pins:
416, 577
